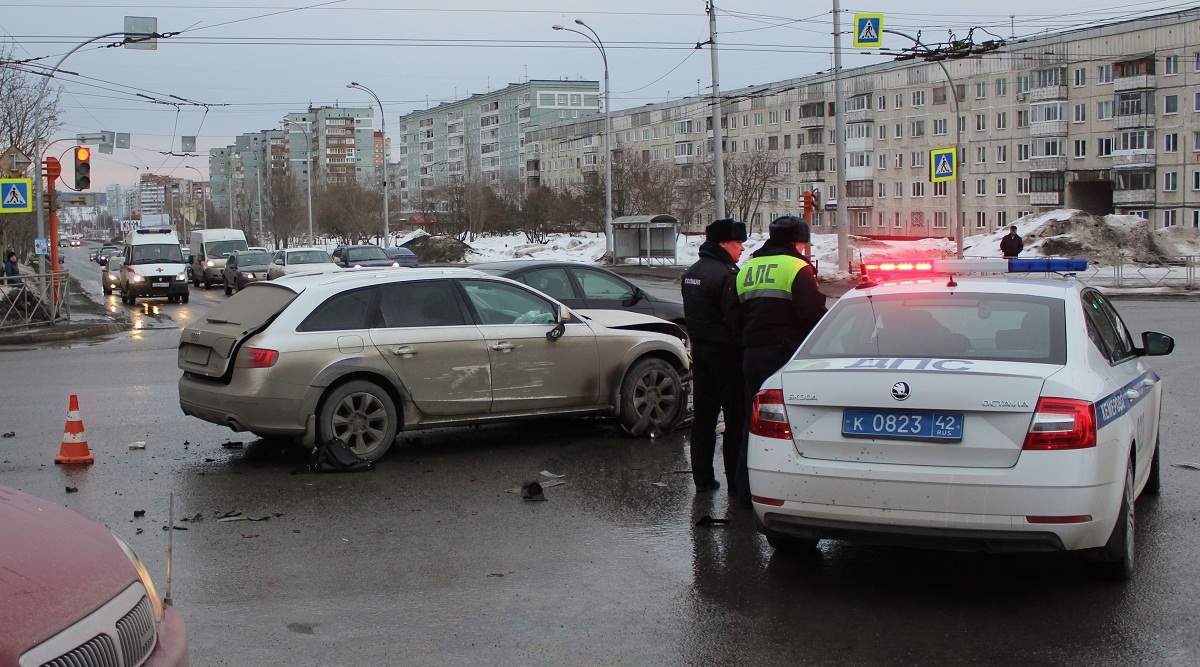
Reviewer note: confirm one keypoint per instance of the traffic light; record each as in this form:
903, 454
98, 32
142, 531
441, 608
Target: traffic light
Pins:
809, 202
83, 168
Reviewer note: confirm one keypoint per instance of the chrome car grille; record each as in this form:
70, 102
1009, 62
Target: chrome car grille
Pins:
98, 652
121, 633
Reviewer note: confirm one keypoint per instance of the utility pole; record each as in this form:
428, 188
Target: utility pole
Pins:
839, 129
718, 138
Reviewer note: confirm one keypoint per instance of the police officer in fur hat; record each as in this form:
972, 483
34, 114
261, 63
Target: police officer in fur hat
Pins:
711, 308
780, 305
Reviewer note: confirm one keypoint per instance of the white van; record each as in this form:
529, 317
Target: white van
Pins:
152, 266
210, 248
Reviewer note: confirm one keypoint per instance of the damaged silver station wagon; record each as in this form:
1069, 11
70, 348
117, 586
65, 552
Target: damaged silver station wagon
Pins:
363, 354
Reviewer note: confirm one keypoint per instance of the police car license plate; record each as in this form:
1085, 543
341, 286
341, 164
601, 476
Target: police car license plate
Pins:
930, 426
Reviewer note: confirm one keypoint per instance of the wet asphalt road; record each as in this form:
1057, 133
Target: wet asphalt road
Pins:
431, 560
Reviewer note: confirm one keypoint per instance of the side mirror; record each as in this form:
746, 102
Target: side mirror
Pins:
278, 261
1156, 344
633, 298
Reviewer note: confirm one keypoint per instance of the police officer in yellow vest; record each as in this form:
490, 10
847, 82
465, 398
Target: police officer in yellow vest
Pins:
780, 305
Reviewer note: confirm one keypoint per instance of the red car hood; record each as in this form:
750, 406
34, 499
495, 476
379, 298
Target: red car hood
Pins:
56, 566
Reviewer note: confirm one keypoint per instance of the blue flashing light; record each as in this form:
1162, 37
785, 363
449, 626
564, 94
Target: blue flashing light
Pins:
1052, 265
154, 230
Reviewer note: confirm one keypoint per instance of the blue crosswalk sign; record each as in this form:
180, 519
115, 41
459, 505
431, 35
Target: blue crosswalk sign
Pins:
15, 195
868, 31
943, 165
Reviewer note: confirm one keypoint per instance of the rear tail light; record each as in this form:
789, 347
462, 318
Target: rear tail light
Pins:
1062, 423
768, 418
258, 357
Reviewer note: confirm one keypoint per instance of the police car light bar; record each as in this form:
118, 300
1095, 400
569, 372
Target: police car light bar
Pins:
154, 230
962, 266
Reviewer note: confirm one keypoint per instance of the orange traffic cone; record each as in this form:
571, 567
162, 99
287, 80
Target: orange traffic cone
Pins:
74, 445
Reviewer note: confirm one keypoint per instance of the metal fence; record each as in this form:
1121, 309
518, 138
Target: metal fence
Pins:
40, 299
1176, 271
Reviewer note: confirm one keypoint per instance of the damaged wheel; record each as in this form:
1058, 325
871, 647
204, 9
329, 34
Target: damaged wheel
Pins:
651, 396
360, 414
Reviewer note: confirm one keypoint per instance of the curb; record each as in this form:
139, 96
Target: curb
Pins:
53, 333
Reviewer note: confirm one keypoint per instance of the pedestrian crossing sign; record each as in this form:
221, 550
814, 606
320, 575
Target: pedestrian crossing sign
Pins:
943, 165
15, 195
868, 31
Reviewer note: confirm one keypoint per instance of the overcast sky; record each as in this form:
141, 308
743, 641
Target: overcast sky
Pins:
253, 63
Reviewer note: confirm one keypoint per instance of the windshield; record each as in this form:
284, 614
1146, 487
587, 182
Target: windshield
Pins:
253, 259
1003, 327
365, 254
308, 257
223, 249
156, 254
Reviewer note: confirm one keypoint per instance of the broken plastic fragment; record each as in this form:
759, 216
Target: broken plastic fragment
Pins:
139, 513
137, 445
1188, 465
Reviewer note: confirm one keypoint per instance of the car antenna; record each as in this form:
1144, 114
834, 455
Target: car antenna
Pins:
951, 282
170, 548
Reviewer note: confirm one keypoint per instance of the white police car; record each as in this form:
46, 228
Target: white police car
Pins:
989, 413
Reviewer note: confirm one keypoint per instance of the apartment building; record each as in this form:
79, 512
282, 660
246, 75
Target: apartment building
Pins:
482, 136
1104, 119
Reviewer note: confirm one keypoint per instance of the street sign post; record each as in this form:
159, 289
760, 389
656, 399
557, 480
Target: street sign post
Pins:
943, 165
868, 31
16, 195
96, 138
14, 163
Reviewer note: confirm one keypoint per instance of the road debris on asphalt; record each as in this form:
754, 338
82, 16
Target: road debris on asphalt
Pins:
137, 445
532, 491
72, 489
137, 514
707, 520
233, 445
1187, 465
10, 434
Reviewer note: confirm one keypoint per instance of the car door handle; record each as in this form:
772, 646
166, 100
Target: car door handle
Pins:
404, 351
503, 346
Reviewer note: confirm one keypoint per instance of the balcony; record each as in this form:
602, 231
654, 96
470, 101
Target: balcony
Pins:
860, 173
1048, 128
1046, 198
593, 168
859, 145
810, 176
591, 148
811, 121
1132, 197
1047, 93
860, 202
685, 159
859, 116
1048, 164
1138, 82
1135, 120
1133, 159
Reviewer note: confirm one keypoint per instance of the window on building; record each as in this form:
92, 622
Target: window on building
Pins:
1134, 179
1001, 87
881, 190
1023, 185
939, 189
899, 163
1002, 120
1196, 141
1080, 113
1104, 110
980, 187
773, 117
917, 128
1022, 84
1001, 153
939, 125
961, 91
980, 219
1171, 65
899, 133
898, 189
1170, 181
939, 219
980, 122
1080, 78
1104, 147
918, 98
980, 90
1196, 218
962, 124
758, 119
1022, 152
882, 102
864, 218
1169, 219
1135, 140
881, 161
1171, 143
1171, 104
1196, 181
1001, 219
1080, 148
980, 154
918, 189
1022, 118
1001, 187
1104, 73
899, 100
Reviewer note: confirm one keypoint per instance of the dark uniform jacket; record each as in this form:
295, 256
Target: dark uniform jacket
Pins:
710, 301
1011, 245
780, 299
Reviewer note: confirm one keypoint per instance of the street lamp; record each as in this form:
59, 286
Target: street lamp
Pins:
608, 238
383, 136
205, 199
308, 170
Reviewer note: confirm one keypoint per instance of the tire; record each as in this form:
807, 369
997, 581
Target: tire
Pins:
127, 298
651, 396
183, 298
228, 289
362, 415
207, 284
171, 298
107, 290
1115, 559
1154, 481
792, 546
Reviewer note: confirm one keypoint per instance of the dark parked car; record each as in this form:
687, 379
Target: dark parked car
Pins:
245, 267
402, 255
105, 252
585, 286
355, 256
73, 593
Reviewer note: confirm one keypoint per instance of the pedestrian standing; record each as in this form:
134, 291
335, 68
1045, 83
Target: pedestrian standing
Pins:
712, 312
12, 272
781, 303
1011, 245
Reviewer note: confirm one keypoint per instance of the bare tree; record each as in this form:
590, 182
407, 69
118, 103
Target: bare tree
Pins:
748, 174
348, 211
283, 209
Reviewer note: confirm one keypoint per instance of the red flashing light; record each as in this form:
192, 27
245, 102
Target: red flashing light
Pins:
83, 153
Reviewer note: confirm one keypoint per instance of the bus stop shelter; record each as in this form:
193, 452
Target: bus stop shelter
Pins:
645, 237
